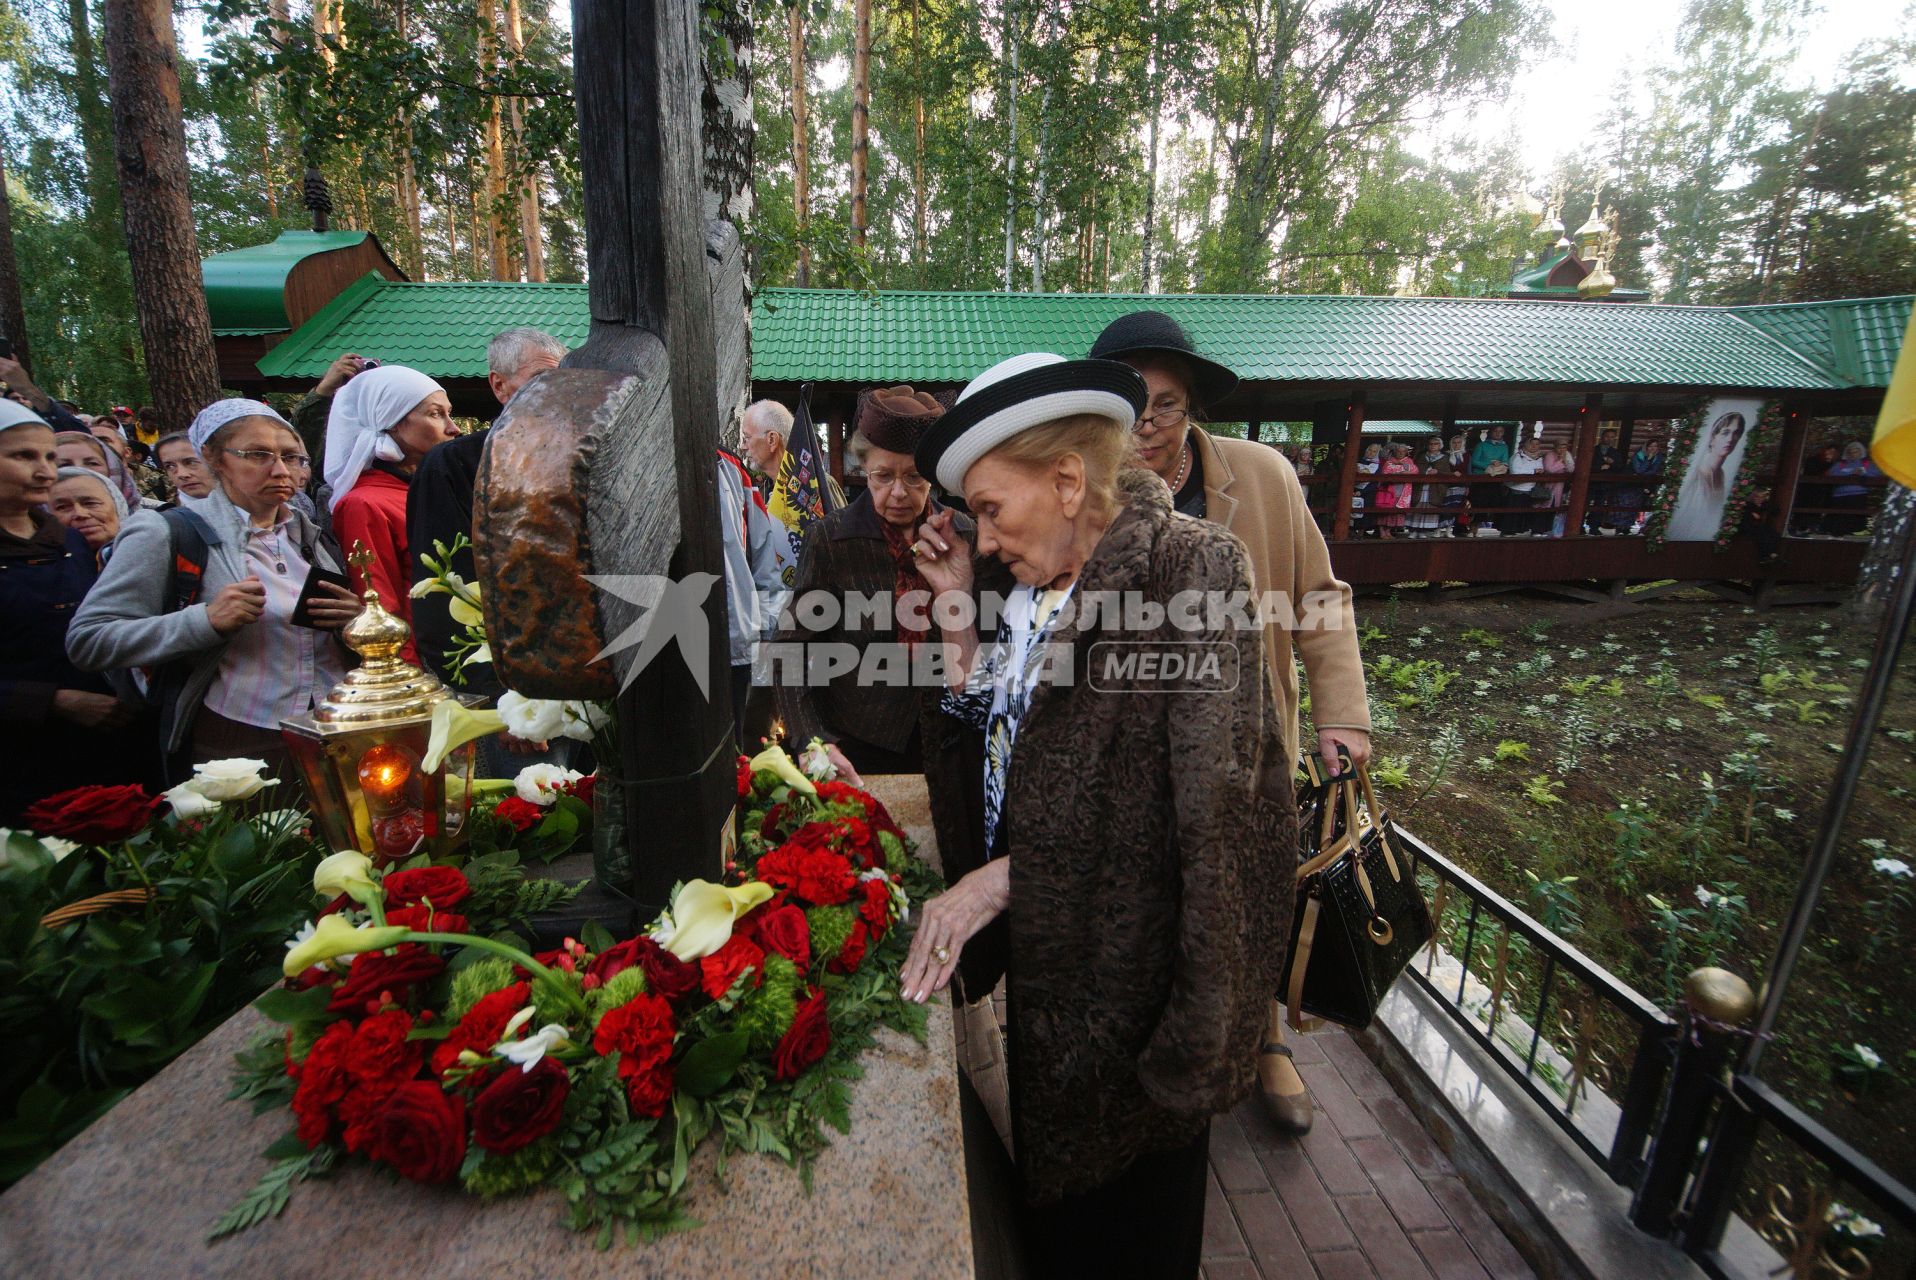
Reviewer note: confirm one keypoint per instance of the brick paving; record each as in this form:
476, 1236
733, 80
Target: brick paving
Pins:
1366, 1195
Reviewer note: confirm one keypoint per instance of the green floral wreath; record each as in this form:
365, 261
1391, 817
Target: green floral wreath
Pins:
1758, 461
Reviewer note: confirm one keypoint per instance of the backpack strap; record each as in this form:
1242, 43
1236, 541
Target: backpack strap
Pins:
192, 539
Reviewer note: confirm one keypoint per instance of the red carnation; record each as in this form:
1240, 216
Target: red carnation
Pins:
640, 1031
445, 886
852, 954
876, 909
805, 1042
718, 971
482, 1026
821, 878
665, 974
428, 919
783, 929
522, 814
846, 793
650, 1092
421, 1132
520, 1107
380, 1055
92, 815
407, 967
322, 1083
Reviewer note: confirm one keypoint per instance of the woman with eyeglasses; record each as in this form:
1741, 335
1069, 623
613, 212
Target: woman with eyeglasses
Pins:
869, 721
226, 661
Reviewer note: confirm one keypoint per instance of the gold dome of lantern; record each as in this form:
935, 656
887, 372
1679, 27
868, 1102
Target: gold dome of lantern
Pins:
383, 688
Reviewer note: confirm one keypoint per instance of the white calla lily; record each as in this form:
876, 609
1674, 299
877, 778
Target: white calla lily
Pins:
703, 914
774, 760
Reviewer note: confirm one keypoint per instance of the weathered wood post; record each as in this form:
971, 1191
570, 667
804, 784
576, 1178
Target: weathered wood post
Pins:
1585, 454
606, 466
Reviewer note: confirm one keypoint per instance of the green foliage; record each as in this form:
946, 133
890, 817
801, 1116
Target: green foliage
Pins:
1480, 638
1390, 773
270, 1194
830, 926
765, 1014
489, 1175
100, 1004
1542, 789
1556, 902
473, 982
1509, 749
624, 985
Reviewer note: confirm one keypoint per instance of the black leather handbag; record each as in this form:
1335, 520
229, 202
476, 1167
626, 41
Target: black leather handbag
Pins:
1360, 916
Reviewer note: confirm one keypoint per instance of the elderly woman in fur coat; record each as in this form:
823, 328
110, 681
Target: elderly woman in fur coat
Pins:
1131, 824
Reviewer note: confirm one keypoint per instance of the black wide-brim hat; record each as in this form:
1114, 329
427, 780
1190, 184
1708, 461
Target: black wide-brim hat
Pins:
1145, 333
1020, 393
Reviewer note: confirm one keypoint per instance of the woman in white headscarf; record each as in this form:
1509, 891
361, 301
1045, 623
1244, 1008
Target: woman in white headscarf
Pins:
383, 423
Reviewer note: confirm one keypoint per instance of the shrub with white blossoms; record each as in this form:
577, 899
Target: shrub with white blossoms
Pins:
1894, 868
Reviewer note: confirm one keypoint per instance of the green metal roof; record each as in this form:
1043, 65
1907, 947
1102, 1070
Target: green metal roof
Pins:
837, 336
246, 288
440, 329
1856, 338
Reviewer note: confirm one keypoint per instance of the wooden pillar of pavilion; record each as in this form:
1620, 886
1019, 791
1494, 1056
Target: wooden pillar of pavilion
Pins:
1585, 451
1347, 473
1789, 462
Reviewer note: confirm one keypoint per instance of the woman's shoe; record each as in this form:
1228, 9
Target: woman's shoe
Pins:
1287, 1099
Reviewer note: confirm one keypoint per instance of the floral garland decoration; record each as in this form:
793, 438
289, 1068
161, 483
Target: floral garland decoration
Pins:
1758, 470
595, 1069
1676, 461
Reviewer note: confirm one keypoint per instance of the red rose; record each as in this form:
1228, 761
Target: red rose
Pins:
380, 1054
783, 929
583, 788
820, 878
650, 1092
805, 1042
640, 1031
371, 974
718, 971
665, 974
482, 1026
522, 814
323, 1081
92, 815
876, 909
744, 777
445, 886
428, 919
852, 954
769, 825
520, 1107
360, 1112
421, 1132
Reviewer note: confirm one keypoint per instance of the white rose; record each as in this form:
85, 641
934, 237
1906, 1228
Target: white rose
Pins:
52, 844
189, 803
539, 783
230, 779
534, 719
583, 719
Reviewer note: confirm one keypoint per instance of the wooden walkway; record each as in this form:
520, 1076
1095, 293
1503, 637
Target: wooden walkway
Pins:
1366, 1195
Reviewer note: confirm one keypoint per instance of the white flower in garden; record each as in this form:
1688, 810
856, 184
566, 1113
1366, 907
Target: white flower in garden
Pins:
234, 779
189, 803
1894, 868
534, 719
1784, 815
1875, 844
1867, 1056
304, 935
540, 783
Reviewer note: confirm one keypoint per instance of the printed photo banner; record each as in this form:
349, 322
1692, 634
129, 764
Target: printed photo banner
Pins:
1705, 492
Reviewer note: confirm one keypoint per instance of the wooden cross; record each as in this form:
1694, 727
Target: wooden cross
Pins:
608, 464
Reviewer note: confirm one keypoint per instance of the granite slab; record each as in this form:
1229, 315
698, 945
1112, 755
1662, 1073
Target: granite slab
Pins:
135, 1195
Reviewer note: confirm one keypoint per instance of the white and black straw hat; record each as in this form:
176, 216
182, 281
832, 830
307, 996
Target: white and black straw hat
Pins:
1020, 393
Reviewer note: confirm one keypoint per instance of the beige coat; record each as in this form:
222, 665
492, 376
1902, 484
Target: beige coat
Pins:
1251, 490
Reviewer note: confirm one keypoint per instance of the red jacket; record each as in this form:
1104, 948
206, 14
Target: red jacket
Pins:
374, 512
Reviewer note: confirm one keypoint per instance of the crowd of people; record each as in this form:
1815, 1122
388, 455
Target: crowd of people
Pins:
179, 594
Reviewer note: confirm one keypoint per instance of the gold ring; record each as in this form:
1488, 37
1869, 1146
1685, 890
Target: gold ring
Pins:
941, 954
917, 549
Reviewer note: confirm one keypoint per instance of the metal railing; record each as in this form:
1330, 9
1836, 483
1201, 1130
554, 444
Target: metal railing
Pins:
1588, 1049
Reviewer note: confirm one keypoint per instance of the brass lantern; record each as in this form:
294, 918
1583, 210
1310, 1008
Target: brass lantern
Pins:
361, 751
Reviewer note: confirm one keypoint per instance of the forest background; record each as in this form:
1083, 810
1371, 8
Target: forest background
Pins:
1296, 146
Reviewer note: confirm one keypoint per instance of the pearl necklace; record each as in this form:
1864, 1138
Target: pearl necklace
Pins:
1184, 467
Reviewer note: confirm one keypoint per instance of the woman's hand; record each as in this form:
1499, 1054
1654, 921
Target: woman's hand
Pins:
92, 710
943, 557
947, 922
238, 604
332, 606
844, 766
1355, 743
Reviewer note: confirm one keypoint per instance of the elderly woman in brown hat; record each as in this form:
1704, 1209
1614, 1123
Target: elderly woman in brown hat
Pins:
868, 714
